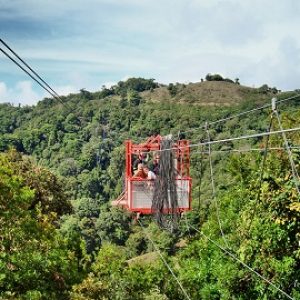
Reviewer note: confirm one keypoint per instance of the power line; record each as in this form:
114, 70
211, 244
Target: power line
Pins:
243, 137
235, 116
295, 174
262, 169
15, 62
241, 114
244, 264
214, 193
164, 261
44, 84
229, 118
27, 65
200, 181
288, 99
292, 163
245, 150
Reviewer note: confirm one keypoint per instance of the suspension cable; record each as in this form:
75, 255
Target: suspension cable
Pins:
243, 137
42, 83
241, 114
243, 263
230, 117
15, 62
288, 149
200, 181
164, 261
214, 195
261, 172
27, 65
245, 150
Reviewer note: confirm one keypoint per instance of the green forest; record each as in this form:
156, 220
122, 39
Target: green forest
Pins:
62, 163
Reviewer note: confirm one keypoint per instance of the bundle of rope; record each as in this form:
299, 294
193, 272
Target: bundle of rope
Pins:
165, 199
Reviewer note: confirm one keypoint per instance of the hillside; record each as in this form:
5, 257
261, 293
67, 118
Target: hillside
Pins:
88, 130
62, 163
206, 93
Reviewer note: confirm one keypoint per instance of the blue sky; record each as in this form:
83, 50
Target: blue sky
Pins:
76, 44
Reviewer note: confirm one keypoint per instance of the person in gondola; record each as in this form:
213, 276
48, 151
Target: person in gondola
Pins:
154, 165
141, 159
140, 172
150, 175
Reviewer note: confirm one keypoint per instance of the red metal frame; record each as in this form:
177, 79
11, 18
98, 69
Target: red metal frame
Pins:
182, 153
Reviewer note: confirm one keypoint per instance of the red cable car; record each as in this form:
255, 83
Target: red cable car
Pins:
138, 194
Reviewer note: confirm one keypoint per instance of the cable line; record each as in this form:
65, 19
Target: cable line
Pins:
288, 149
288, 99
228, 118
43, 84
261, 172
200, 181
244, 150
164, 261
244, 264
27, 65
214, 194
243, 137
180, 132
241, 114
15, 62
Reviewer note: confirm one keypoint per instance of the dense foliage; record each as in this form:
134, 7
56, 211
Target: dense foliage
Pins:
60, 238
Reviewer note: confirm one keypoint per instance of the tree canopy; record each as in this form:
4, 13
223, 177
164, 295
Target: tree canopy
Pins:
59, 169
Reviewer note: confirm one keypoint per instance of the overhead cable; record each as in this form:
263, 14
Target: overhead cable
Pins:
243, 137
27, 65
292, 163
235, 116
15, 62
261, 172
214, 193
245, 150
241, 114
33, 75
244, 264
165, 262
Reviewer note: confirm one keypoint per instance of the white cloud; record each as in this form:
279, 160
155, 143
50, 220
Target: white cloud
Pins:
76, 46
3, 92
22, 93
109, 84
25, 92
66, 90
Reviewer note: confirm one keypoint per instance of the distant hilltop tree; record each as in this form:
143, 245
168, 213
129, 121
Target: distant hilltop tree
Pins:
123, 87
214, 77
265, 89
84, 94
237, 81
218, 77
172, 89
135, 84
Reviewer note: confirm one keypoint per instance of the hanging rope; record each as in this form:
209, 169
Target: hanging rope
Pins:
288, 149
33, 75
214, 194
261, 172
243, 264
200, 179
243, 137
234, 257
164, 261
243, 113
165, 198
246, 150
